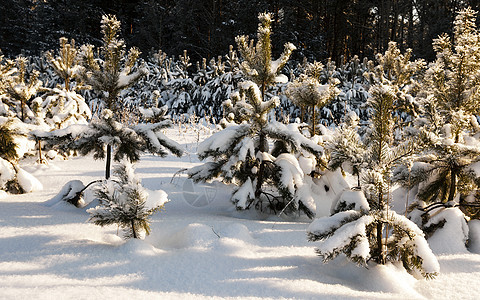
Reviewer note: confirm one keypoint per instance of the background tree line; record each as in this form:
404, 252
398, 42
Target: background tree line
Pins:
319, 28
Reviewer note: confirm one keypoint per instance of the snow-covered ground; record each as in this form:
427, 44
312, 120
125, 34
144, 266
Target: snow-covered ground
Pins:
200, 247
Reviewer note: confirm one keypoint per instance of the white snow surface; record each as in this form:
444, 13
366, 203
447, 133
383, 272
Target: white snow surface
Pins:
210, 252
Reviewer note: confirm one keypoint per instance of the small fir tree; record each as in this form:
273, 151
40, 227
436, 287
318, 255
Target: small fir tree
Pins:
126, 141
443, 175
112, 72
266, 182
373, 230
21, 88
452, 105
66, 64
13, 179
63, 106
125, 202
307, 91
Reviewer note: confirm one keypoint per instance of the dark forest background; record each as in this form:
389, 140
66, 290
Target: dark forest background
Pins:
319, 28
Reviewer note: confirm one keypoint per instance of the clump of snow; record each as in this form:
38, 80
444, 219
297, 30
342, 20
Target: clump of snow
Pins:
51, 154
156, 198
343, 237
354, 200
474, 236
68, 192
327, 190
291, 173
243, 194
237, 231
452, 237
7, 172
28, 182
328, 223
194, 235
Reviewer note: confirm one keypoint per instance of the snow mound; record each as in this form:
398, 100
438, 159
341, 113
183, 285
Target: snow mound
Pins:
68, 191
237, 231
451, 238
137, 247
156, 198
194, 235
28, 182
473, 236
388, 278
327, 190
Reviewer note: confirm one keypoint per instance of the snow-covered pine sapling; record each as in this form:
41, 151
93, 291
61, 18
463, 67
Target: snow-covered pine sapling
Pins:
125, 141
346, 149
12, 178
236, 155
114, 70
21, 89
257, 64
446, 174
66, 64
63, 106
307, 91
372, 231
126, 203
240, 153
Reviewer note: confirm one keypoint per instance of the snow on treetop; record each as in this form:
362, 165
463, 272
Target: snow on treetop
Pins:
265, 17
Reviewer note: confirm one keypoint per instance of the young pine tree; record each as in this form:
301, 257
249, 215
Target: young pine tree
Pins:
125, 141
20, 88
450, 135
125, 202
110, 73
263, 181
308, 92
373, 230
113, 71
444, 175
62, 105
239, 154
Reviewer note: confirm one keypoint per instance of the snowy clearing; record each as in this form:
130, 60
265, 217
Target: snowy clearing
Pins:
196, 250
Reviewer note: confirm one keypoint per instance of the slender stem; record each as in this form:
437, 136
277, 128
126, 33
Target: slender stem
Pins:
132, 222
108, 161
453, 184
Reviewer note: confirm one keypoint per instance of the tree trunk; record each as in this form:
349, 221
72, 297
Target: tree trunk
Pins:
67, 83
40, 160
380, 259
258, 188
453, 185
108, 161
132, 222
314, 121
22, 108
